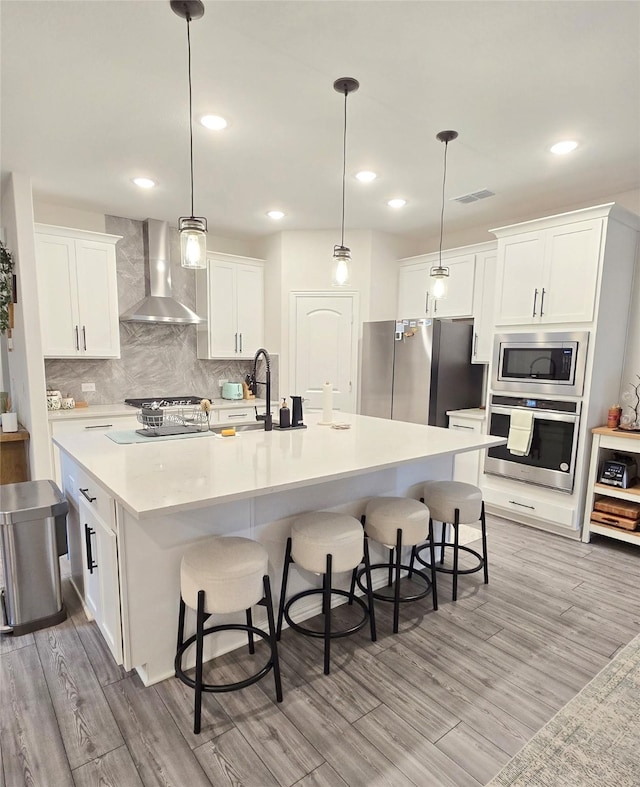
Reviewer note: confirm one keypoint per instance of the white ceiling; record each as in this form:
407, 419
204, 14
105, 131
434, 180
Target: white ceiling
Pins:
95, 93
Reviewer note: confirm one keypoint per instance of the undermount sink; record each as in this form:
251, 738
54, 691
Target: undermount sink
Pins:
257, 426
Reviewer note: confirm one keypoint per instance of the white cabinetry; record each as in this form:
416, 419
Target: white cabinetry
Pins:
605, 443
484, 305
93, 553
230, 295
548, 275
415, 286
77, 292
467, 467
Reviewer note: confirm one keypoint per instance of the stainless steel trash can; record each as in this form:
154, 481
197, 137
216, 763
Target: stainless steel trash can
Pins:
32, 537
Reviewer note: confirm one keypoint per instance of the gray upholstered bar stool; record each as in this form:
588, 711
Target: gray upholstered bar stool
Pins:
221, 575
326, 543
399, 522
455, 503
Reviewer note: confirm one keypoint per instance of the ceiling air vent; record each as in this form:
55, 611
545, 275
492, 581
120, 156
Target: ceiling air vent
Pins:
473, 196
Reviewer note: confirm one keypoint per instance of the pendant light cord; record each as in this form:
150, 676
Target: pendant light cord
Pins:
444, 178
344, 163
190, 110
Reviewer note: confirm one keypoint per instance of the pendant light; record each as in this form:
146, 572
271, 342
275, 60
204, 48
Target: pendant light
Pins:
341, 253
193, 229
438, 272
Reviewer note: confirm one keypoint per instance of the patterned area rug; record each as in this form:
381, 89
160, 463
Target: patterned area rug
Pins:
593, 741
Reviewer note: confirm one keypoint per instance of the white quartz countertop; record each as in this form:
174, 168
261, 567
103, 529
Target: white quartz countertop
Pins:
172, 475
110, 410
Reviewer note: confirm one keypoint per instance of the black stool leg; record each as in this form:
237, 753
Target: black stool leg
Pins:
199, 644
391, 562
252, 649
324, 595
352, 588
326, 603
432, 560
484, 545
443, 539
456, 538
272, 637
367, 568
181, 623
414, 552
283, 590
396, 593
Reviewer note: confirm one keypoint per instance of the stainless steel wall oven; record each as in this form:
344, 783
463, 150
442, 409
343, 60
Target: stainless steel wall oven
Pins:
547, 363
551, 460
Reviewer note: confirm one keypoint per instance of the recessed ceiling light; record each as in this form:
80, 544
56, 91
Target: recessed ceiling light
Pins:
366, 177
275, 214
144, 183
564, 147
213, 122
397, 203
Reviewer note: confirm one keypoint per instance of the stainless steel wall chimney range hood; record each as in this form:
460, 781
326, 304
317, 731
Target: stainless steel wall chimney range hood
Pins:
159, 305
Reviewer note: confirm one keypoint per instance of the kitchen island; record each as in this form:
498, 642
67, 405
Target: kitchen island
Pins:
136, 507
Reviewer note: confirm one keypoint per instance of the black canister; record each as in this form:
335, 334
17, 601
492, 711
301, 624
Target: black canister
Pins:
296, 411
285, 415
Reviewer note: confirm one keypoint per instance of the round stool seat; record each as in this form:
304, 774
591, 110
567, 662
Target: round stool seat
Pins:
443, 497
384, 515
321, 533
229, 569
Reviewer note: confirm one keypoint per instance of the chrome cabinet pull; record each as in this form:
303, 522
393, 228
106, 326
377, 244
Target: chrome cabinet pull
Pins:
426, 302
239, 415
435, 307
522, 505
461, 426
77, 339
240, 342
235, 348
535, 298
84, 494
99, 426
88, 532
475, 344
84, 337
542, 302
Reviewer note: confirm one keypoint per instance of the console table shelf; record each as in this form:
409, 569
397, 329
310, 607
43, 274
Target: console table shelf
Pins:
605, 442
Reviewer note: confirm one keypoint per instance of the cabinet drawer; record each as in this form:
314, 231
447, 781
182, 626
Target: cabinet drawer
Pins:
80, 425
237, 415
74, 479
465, 425
530, 506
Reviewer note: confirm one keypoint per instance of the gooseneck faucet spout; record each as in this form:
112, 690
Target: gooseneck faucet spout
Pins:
266, 417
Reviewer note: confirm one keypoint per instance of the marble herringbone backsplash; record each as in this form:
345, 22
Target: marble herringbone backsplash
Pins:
156, 359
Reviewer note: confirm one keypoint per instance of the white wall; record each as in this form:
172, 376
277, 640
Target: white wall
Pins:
26, 366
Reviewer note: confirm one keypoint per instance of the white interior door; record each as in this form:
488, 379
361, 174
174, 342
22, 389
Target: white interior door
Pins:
324, 348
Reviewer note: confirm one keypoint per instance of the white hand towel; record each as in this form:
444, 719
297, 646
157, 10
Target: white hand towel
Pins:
520, 432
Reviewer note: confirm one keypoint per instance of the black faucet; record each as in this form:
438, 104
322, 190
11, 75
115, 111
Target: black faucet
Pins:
266, 417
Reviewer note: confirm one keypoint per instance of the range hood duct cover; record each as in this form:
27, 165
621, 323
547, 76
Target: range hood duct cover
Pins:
159, 305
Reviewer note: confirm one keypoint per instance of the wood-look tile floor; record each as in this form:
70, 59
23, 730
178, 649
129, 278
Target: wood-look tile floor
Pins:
447, 701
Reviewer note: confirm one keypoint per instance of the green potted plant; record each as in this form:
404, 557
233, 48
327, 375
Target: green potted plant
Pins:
6, 287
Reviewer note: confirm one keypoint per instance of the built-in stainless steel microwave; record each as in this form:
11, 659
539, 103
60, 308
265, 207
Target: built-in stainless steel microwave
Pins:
544, 362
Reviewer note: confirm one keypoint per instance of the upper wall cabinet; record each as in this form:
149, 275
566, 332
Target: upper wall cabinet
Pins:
77, 292
484, 303
549, 275
230, 295
415, 297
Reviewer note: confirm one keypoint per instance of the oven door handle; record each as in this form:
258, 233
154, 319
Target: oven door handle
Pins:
546, 415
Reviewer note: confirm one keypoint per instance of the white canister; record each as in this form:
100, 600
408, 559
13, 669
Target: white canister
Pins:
9, 422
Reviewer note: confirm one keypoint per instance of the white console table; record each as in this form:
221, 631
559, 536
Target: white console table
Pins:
605, 442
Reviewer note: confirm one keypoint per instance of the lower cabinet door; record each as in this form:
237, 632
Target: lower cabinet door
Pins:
101, 582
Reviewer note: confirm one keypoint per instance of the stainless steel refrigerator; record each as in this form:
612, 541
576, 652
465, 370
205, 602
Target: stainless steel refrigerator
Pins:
416, 370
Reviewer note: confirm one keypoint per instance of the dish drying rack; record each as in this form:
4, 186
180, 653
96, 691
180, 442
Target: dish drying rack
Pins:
183, 420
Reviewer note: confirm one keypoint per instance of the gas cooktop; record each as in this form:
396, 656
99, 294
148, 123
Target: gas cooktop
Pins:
156, 402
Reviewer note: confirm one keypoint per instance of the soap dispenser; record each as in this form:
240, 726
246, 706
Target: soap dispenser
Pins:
285, 421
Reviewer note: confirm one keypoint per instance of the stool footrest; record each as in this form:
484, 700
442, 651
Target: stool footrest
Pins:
382, 597
320, 634
222, 687
444, 570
